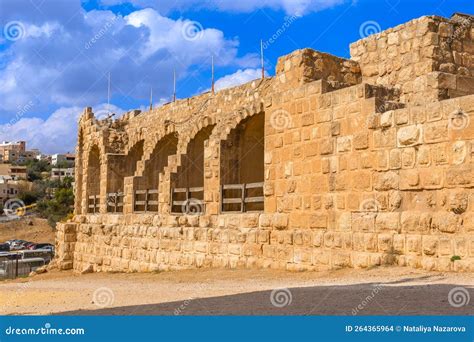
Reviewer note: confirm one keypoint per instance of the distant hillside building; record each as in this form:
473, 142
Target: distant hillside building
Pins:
15, 152
60, 173
8, 189
67, 158
12, 171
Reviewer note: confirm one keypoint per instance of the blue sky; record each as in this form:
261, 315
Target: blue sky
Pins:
55, 54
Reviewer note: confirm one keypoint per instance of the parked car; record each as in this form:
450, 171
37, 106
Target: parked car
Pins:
18, 244
4, 247
28, 245
47, 246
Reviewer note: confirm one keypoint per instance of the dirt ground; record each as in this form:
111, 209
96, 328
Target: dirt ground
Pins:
381, 291
39, 231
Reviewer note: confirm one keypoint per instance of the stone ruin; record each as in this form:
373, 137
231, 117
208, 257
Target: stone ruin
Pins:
331, 163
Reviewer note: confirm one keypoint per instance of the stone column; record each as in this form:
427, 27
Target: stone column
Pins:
212, 175
65, 244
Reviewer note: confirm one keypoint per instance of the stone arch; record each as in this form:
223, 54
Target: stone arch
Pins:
147, 194
121, 166
192, 129
242, 165
187, 183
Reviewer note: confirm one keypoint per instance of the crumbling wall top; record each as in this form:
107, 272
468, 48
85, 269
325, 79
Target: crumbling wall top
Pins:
307, 65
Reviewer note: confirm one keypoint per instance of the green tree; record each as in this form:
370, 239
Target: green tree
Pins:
57, 208
34, 168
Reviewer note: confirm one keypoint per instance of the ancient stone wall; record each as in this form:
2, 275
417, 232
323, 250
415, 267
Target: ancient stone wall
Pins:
428, 59
356, 171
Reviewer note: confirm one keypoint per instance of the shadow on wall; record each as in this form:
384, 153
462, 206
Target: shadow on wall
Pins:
359, 299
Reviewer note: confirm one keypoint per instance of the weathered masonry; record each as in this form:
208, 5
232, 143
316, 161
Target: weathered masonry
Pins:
330, 163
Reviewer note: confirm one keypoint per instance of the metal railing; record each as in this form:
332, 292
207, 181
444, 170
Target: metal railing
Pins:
11, 269
192, 203
145, 201
93, 204
115, 202
243, 198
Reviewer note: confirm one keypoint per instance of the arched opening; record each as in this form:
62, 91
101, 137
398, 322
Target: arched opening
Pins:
120, 167
242, 166
93, 180
146, 194
187, 186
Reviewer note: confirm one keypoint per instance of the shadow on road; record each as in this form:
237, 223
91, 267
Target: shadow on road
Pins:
360, 299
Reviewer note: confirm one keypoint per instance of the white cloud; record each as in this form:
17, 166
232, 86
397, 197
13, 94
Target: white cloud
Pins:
46, 30
56, 134
291, 7
65, 63
237, 78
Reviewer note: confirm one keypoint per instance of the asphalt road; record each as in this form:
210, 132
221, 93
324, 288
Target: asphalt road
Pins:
360, 299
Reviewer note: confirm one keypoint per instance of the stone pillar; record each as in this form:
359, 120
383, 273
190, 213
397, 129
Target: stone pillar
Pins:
129, 187
104, 173
212, 175
164, 185
65, 244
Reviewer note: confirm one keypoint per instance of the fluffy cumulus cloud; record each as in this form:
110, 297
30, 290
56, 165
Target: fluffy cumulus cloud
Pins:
55, 57
64, 61
57, 133
238, 78
291, 7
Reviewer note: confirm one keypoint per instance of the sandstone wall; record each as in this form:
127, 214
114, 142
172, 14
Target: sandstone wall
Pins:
355, 174
428, 59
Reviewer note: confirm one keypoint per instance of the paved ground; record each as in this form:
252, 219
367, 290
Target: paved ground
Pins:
379, 291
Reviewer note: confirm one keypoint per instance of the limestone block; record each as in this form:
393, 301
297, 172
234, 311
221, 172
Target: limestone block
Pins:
360, 260
414, 244
387, 221
430, 245
363, 222
343, 144
386, 180
445, 222
280, 221
409, 135
385, 243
